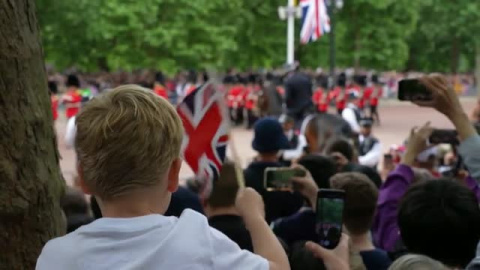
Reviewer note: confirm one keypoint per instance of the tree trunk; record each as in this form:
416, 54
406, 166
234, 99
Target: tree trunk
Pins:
30, 179
477, 69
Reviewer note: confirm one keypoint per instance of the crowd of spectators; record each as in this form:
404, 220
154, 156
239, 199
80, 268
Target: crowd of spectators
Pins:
417, 214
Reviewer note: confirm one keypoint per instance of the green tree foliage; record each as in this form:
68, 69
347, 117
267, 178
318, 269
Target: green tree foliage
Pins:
430, 35
446, 36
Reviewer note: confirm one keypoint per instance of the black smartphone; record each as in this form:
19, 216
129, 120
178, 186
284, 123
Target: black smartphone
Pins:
280, 178
413, 90
329, 220
440, 136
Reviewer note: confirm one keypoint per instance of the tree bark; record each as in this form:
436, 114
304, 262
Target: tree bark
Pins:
30, 178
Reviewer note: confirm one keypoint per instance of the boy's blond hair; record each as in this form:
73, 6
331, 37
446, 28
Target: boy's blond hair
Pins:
126, 139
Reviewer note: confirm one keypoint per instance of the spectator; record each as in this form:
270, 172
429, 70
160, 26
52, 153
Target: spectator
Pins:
183, 199
268, 140
301, 225
133, 177
446, 102
297, 141
440, 219
414, 262
321, 168
448, 234
75, 208
344, 155
221, 211
320, 129
359, 210
95, 208
336, 259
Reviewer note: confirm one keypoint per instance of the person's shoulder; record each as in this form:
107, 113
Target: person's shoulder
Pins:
189, 215
376, 259
58, 253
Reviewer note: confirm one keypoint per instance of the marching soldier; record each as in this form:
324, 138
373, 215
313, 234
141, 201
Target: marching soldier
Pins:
72, 98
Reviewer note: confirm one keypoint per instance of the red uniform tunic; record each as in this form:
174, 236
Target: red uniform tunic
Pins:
235, 97
321, 99
160, 90
54, 100
73, 102
376, 95
340, 98
249, 98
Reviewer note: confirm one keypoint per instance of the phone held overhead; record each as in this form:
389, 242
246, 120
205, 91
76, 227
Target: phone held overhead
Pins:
413, 90
329, 217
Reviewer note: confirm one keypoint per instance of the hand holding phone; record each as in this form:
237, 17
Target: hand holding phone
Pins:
329, 217
280, 178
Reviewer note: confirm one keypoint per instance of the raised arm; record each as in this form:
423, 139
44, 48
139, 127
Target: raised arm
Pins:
250, 206
446, 101
385, 228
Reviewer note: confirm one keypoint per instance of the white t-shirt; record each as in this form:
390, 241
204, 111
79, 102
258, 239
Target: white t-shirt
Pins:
147, 242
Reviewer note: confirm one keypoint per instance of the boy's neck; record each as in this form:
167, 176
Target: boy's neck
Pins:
270, 157
140, 204
221, 211
362, 242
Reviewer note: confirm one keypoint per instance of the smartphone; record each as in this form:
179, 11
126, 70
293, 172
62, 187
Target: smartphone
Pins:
387, 158
440, 136
413, 90
280, 178
329, 217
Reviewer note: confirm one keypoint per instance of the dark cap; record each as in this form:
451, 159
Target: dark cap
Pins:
269, 136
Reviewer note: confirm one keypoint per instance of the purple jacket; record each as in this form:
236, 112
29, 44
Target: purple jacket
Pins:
385, 227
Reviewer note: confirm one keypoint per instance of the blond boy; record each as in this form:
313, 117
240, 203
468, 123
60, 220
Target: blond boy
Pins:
128, 145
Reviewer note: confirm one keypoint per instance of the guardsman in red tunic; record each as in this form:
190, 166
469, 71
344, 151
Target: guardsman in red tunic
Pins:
159, 85
374, 99
358, 86
72, 98
339, 93
250, 99
235, 101
53, 98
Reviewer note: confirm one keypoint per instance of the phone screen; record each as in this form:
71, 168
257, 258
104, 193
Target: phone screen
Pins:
413, 90
281, 178
330, 204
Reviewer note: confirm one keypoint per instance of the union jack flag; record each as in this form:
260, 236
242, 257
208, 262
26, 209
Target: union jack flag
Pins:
315, 20
206, 133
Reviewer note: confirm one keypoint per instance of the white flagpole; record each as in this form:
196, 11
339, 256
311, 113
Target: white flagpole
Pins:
290, 32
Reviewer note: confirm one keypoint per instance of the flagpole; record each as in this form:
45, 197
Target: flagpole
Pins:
290, 32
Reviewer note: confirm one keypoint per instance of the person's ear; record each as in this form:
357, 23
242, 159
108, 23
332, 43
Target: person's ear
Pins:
80, 181
173, 175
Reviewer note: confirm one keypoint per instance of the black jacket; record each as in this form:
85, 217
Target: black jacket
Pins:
298, 94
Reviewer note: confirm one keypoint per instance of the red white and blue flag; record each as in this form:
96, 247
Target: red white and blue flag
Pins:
206, 133
315, 20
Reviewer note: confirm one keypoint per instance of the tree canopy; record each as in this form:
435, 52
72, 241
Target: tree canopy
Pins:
430, 35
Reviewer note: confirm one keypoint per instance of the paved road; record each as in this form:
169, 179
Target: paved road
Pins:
397, 120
